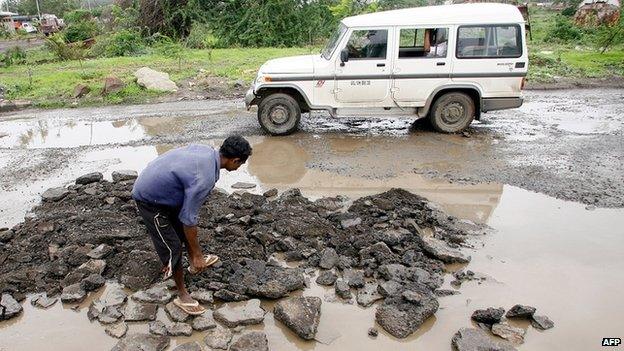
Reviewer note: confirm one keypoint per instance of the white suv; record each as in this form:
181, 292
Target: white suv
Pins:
448, 63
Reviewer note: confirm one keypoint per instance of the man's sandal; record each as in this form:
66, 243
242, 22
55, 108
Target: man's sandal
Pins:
185, 307
210, 260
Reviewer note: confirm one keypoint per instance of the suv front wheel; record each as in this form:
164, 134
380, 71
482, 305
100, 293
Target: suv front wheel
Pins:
279, 114
452, 112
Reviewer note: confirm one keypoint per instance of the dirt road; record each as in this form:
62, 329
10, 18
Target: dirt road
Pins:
562, 144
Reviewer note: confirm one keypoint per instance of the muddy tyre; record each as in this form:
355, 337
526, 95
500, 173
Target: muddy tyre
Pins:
452, 113
279, 114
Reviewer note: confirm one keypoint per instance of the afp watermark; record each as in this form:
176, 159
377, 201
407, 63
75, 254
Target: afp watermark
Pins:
611, 341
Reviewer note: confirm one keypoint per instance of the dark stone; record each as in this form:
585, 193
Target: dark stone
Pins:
354, 277
247, 313
179, 329
54, 194
117, 330
472, 339
73, 293
488, 316
156, 294
218, 338
81, 90
189, 346
270, 193
342, 289
326, 278
367, 295
157, 328
204, 322
252, 341
401, 318
9, 307
521, 311
143, 342
329, 258
92, 282
300, 314
229, 296
373, 332
123, 175
89, 178
243, 185
542, 322
112, 85
100, 251
137, 312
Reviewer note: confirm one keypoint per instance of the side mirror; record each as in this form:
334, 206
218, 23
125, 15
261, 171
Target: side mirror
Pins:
344, 56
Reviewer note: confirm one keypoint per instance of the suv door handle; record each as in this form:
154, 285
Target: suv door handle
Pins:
381, 65
440, 63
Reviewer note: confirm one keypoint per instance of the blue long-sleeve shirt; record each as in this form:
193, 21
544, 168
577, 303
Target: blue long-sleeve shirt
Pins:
181, 178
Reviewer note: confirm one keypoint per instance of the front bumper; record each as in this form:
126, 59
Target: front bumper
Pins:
250, 98
493, 104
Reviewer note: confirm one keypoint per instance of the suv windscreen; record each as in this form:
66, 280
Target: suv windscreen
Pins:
368, 44
333, 41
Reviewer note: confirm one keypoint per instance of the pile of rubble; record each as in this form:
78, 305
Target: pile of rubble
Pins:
390, 247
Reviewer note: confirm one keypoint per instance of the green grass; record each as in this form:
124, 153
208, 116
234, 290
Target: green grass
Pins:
49, 83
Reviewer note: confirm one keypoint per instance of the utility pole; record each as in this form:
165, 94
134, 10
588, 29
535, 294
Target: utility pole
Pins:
38, 10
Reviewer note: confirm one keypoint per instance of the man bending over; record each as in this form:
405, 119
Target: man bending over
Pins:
169, 193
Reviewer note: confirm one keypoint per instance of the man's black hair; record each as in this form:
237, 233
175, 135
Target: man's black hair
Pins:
236, 146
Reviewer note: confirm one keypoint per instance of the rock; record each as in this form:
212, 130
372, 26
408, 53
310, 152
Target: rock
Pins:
350, 222
89, 178
412, 296
203, 296
373, 332
440, 250
100, 251
176, 313
109, 314
189, 346
13, 105
156, 294
243, 313
521, 311
378, 251
354, 277
92, 267
154, 80
43, 301
326, 278
6, 235
9, 307
92, 282
510, 333
112, 85
117, 330
81, 90
179, 329
488, 316
252, 341
54, 194
229, 296
137, 311
329, 258
300, 314
542, 322
114, 295
142, 342
243, 185
218, 338
367, 295
390, 288
342, 289
472, 339
157, 328
73, 293
270, 193
204, 322
123, 175
445, 292
401, 318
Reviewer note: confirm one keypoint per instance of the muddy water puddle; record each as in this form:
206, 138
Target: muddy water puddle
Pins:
554, 255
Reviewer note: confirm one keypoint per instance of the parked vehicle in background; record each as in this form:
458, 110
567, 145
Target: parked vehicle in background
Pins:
28, 27
50, 24
447, 63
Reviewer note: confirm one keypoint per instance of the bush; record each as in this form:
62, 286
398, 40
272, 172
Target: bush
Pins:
122, 43
62, 50
170, 49
15, 55
201, 37
565, 30
569, 11
80, 31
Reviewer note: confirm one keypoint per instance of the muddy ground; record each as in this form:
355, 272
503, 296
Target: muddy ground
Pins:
565, 144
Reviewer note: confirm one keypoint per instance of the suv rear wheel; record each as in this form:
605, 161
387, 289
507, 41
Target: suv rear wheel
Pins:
452, 112
279, 114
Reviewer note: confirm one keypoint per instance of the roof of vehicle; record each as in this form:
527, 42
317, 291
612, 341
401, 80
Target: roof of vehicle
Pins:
472, 13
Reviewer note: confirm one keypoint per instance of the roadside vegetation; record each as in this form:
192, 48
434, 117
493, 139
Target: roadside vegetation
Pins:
193, 41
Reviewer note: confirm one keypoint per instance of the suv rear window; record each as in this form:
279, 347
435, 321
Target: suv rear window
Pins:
493, 41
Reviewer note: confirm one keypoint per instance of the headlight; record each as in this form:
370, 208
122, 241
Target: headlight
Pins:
263, 79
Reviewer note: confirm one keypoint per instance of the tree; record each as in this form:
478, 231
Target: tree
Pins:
55, 7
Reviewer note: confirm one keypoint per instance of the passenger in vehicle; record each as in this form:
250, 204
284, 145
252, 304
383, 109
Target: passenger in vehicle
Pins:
441, 44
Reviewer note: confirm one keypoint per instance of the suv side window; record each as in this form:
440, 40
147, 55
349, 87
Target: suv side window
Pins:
423, 42
368, 44
494, 41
